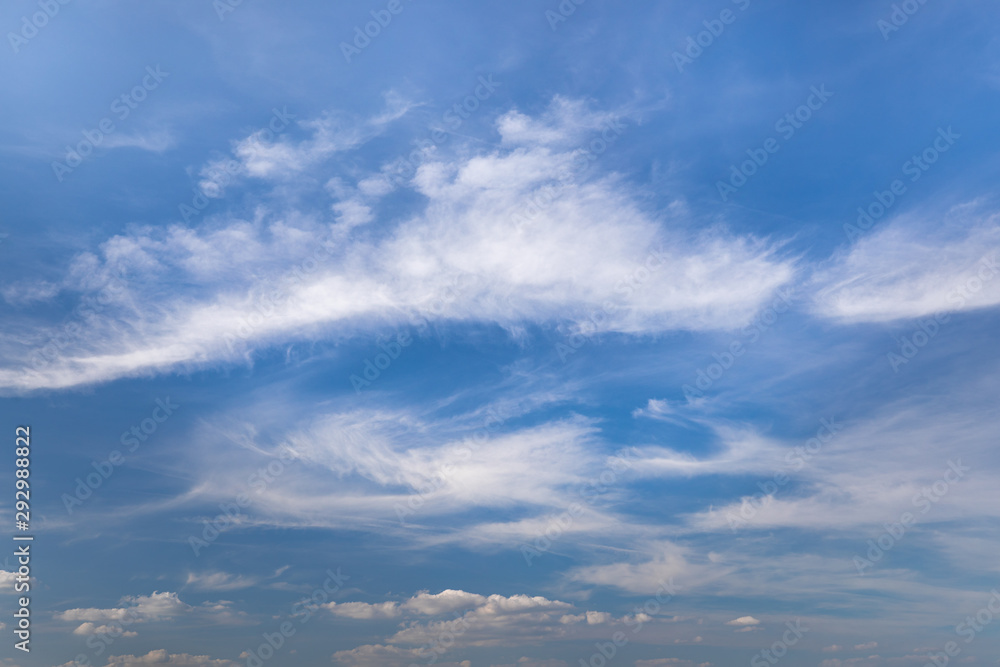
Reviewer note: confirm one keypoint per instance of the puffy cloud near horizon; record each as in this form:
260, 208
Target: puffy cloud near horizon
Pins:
141, 609
164, 657
487, 621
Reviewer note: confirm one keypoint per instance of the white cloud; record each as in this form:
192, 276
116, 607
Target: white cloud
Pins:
662, 563
156, 141
866, 646
363, 610
91, 629
564, 122
219, 581
378, 655
141, 608
134, 610
591, 252
444, 602
492, 620
264, 156
910, 270
743, 621
162, 657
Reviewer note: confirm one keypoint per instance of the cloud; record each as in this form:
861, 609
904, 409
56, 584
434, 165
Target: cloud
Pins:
564, 122
378, 655
156, 141
362, 610
219, 581
162, 657
866, 647
140, 609
662, 562
155, 607
444, 602
263, 156
743, 621
488, 620
481, 249
739, 450
909, 270
91, 629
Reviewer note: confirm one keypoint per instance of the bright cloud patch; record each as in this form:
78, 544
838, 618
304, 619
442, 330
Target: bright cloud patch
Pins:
903, 271
510, 236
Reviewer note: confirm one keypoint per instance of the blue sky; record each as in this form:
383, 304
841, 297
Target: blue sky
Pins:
510, 334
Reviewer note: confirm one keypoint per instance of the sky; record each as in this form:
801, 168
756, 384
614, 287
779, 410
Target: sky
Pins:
502, 334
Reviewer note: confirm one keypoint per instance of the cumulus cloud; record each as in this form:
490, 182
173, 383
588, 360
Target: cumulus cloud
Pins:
378, 655
486, 620
134, 610
162, 657
744, 621
7, 580
91, 629
157, 606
